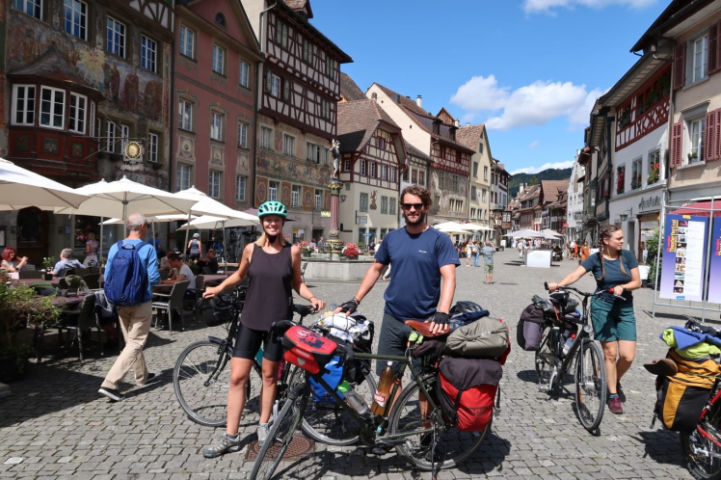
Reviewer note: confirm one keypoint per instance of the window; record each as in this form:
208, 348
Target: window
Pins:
272, 84
363, 202
392, 206
620, 179
325, 108
474, 193
23, 105
153, 140
485, 173
483, 195
330, 67
218, 60
214, 183
295, 196
31, 7
307, 51
216, 126
654, 167
695, 128
363, 167
187, 42
346, 165
636, 174
266, 136
697, 63
183, 177
384, 172
475, 169
185, 115
115, 42
110, 136
242, 135
244, 74
52, 107
384, 204
98, 126
372, 169
76, 18
316, 153
272, 190
281, 34
480, 147
124, 136
148, 54
241, 184
287, 89
288, 145
318, 200
393, 174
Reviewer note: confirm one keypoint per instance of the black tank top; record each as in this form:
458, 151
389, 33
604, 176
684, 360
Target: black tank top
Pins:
269, 296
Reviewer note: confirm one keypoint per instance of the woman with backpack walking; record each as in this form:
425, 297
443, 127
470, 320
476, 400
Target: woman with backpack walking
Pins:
272, 266
614, 324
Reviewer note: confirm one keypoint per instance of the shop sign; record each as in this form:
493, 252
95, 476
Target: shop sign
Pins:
649, 203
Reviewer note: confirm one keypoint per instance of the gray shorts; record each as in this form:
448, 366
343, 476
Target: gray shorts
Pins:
392, 341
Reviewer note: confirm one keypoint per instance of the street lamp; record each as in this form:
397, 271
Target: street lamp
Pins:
623, 216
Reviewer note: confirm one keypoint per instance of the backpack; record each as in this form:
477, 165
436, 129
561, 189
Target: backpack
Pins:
530, 328
128, 283
468, 388
681, 398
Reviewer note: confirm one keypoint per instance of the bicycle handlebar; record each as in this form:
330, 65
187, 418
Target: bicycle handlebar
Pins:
573, 289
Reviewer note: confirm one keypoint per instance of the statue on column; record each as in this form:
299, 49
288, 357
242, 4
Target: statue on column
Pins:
334, 241
335, 151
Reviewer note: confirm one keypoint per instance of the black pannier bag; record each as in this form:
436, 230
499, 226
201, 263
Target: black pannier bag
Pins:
530, 328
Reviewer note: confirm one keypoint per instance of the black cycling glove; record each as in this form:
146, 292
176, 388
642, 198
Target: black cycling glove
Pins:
350, 306
440, 317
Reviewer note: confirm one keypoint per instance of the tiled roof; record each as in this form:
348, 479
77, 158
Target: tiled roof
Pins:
349, 90
405, 102
529, 192
470, 135
416, 152
358, 120
551, 189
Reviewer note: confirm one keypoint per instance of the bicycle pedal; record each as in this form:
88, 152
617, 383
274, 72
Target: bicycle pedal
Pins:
381, 449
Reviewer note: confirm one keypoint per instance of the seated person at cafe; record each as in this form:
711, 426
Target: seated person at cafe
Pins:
66, 262
11, 262
183, 273
209, 264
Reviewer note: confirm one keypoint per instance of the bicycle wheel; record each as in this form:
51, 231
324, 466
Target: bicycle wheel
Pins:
281, 433
590, 385
201, 378
702, 456
545, 359
332, 423
452, 446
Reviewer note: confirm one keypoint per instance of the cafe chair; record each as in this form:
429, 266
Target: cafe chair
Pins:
91, 279
171, 304
30, 273
80, 320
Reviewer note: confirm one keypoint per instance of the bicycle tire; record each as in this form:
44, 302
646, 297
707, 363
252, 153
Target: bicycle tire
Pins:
333, 424
201, 378
701, 455
590, 385
545, 360
280, 435
452, 447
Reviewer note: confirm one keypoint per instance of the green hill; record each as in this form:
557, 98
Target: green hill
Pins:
535, 178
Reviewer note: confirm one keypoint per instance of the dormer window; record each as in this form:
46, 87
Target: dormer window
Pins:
220, 19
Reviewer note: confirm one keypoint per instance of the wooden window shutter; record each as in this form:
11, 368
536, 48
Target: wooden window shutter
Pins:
679, 66
676, 144
713, 48
712, 136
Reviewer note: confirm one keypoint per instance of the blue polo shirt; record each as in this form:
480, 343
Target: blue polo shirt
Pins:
416, 260
147, 255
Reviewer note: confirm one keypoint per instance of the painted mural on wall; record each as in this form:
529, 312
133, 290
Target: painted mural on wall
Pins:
294, 170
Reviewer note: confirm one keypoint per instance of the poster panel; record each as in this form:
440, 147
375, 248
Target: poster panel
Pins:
714, 281
684, 253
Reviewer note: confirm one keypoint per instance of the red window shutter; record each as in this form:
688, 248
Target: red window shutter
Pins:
709, 145
679, 66
713, 48
676, 144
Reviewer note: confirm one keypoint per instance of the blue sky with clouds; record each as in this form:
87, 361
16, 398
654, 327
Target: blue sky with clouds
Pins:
529, 69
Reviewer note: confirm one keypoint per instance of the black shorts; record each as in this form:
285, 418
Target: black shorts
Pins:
393, 340
248, 341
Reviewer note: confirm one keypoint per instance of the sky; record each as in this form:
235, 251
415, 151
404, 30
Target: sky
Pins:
530, 70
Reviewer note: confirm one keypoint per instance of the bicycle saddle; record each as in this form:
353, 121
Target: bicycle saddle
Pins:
303, 310
424, 328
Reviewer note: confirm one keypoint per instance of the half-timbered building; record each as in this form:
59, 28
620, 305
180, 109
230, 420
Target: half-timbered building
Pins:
297, 114
500, 214
479, 192
215, 100
372, 161
80, 79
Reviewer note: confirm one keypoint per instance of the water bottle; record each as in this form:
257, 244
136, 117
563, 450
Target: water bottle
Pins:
380, 399
353, 399
567, 345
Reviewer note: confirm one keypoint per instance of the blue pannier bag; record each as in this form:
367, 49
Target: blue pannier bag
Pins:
333, 376
128, 282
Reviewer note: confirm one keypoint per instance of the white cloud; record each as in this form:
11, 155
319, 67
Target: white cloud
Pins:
533, 144
545, 166
534, 104
547, 6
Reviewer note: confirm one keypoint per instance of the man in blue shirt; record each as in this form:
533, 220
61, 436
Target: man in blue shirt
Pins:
421, 257
134, 319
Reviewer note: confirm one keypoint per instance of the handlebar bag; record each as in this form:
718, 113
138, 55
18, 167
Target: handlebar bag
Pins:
307, 349
530, 328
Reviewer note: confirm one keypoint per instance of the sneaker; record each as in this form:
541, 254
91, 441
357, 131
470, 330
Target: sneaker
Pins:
112, 394
150, 379
614, 405
619, 391
263, 429
223, 444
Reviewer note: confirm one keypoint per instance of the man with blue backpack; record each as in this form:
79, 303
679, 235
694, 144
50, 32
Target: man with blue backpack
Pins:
131, 271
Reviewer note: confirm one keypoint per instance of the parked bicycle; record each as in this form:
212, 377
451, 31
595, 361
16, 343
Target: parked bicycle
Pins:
702, 445
201, 378
562, 343
416, 428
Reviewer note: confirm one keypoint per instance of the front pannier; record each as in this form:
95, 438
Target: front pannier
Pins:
530, 328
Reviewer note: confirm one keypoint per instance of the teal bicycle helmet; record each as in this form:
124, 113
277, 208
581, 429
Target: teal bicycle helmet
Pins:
272, 207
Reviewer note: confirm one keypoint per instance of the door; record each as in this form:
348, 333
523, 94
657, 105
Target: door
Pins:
32, 235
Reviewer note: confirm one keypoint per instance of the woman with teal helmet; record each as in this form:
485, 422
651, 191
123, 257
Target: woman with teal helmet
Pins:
272, 266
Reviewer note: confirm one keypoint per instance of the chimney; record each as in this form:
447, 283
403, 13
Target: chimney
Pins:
456, 123
398, 98
419, 101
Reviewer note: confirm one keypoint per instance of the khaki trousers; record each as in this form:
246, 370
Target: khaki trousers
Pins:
135, 324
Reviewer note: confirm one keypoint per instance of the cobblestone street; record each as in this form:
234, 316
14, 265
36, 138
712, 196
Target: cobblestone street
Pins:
55, 425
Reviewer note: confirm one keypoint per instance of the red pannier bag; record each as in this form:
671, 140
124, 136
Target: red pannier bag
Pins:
307, 349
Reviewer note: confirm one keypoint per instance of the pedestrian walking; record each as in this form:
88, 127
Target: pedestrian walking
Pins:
614, 322
476, 253
130, 272
488, 251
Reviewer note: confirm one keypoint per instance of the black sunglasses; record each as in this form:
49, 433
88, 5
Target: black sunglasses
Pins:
408, 206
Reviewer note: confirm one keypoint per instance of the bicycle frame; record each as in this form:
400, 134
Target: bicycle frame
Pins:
584, 334
712, 411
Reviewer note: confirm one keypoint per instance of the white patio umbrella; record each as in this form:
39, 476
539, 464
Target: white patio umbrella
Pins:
452, 227
552, 232
477, 228
209, 222
525, 233
21, 188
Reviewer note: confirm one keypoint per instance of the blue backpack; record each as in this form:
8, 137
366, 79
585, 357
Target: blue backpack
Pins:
128, 281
